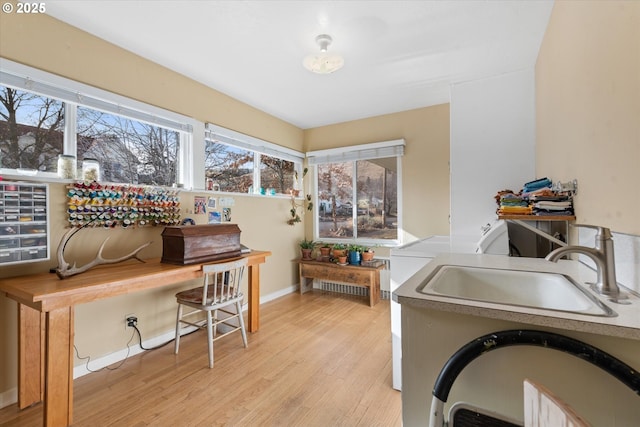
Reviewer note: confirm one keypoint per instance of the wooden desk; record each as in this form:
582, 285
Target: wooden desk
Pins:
45, 321
359, 275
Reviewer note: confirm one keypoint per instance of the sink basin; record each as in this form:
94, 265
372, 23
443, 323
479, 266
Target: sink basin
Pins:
548, 291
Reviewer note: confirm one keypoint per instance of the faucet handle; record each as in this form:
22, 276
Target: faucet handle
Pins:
603, 233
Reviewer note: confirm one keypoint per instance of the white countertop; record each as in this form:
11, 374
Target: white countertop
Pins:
625, 325
434, 245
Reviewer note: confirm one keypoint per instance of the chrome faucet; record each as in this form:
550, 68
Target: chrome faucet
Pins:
602, 255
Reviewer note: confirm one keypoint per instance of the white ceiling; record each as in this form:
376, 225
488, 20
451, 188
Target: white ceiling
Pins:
399, 55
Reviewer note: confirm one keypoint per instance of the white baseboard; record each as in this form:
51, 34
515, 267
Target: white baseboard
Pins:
120, 355
10, 396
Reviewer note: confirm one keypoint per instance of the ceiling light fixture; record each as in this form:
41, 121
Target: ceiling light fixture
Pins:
323, 63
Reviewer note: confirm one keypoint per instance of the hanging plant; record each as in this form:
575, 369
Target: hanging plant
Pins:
298, 207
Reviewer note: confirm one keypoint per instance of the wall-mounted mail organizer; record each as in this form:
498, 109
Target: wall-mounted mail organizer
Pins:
97, 205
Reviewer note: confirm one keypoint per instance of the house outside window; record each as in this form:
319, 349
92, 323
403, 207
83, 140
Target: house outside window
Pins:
358, 191
129, 151
31, 130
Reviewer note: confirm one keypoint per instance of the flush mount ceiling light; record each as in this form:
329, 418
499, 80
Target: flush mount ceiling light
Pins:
323, 63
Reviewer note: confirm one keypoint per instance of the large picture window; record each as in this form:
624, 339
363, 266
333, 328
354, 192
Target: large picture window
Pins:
358, 198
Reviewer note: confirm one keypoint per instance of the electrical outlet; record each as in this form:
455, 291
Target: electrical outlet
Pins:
130, 320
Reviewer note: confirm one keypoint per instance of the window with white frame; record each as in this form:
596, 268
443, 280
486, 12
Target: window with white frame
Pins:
239, 163
31, 130
135, 143
358, 192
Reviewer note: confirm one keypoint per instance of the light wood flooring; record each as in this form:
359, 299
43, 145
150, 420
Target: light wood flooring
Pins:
320, 359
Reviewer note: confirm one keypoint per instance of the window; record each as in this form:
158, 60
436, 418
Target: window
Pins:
358, 192
129, 151
31, 130
238, 163
230, 168
42, 116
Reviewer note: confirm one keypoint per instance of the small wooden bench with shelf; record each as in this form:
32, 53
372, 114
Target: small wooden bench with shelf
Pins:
367, 275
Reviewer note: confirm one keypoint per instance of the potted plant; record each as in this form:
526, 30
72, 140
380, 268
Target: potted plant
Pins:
368, 254
339, 250
297, 207
325, 250
355, 252
306, 246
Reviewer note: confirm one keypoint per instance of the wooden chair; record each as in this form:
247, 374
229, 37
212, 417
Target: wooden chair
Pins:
221, 289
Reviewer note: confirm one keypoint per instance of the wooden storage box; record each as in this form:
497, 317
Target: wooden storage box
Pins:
192, 244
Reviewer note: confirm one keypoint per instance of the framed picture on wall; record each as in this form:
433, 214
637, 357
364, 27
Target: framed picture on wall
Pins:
199, 205
226, 214
212, 202
215, 217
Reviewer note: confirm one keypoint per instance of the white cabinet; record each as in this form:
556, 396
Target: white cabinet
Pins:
24, 225
405, 262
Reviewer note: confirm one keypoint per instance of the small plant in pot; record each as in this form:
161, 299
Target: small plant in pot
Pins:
368, 254
355, 252
325, 250
306, 246
339, 250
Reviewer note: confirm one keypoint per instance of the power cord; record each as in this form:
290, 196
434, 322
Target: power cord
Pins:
136, 330
159, 345
88, 358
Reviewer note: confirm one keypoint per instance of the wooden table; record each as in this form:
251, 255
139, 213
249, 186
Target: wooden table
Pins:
367, 274
45, 321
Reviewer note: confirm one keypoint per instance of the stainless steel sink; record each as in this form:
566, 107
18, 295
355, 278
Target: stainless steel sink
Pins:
548, 291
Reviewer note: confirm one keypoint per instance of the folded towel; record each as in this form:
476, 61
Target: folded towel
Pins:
536, 185
553, 205
554, 213
515, 210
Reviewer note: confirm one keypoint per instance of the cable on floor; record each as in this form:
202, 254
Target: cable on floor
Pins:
159, 345
88, 358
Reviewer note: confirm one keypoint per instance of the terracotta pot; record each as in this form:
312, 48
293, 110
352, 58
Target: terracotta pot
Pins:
325, 251
337, 253
306, 254
367, 256
342, 259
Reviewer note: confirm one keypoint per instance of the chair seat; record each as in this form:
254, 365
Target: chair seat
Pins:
194, 295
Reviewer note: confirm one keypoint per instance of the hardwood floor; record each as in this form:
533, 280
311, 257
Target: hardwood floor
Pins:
320, 359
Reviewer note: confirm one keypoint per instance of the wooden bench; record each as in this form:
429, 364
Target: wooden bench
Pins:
367, 275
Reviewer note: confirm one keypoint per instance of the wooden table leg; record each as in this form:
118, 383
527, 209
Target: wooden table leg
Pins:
30, 356
306, 284
374, 289
254, 298
58, 395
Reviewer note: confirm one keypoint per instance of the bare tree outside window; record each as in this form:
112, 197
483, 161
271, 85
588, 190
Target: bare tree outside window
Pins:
31, 130
335, 199
231, 168
276, 174
369, 211
129, 151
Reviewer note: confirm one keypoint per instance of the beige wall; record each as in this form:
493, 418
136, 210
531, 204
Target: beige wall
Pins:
588, 78
425, 165
47, 44
79, 56
588, 108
